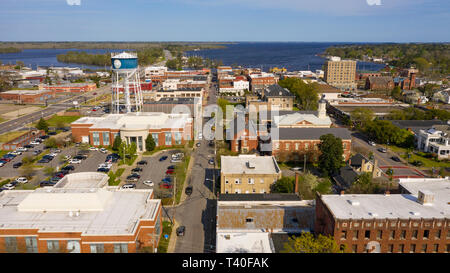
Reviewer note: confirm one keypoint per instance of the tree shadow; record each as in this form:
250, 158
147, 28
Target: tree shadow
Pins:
209, 225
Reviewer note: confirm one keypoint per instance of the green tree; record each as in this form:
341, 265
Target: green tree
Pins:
51, 142
150, 143
307, 243
49, 170
364, 185
42, 125
331, 157
324, 186
117, 143
284, 185
361, 116
396, 92
307, 95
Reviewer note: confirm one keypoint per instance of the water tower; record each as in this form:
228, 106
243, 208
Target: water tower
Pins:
126, 87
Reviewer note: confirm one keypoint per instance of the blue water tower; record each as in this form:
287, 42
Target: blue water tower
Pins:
126, 80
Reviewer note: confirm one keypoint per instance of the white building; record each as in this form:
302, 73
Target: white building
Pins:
435, 140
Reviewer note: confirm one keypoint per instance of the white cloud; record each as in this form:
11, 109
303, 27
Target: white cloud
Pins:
73, 2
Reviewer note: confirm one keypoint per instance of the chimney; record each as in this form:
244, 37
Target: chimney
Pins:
350, 161
387, 193
342, 193
426, 198
362, 164
296, 182
375, 167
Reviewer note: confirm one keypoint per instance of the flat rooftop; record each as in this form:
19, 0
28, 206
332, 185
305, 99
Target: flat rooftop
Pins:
243, 242
404, 206
249, 164
260, 197
73, 208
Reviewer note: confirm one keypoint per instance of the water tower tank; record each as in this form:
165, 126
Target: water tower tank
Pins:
124, 61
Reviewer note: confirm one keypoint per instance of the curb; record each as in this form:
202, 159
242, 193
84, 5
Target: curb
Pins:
173, 238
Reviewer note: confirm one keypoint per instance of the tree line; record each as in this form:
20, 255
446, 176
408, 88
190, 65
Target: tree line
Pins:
306, 94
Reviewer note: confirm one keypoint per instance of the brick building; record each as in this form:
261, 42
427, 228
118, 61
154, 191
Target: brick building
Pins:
243, 136
340, 73
28, 96
262, 80
382, 83
416, 221
71, 87
80, 214
166, 129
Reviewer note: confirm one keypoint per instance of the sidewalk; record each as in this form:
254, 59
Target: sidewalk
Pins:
173, 238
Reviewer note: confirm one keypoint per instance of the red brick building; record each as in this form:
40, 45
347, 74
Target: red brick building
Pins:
383, 83
244, 137
72, 87
28, 96
413, 222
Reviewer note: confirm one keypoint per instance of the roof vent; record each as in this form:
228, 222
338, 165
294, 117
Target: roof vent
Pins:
353, 202
70, 213
415, 213
373, 214
426, 198
250, 165
247, 206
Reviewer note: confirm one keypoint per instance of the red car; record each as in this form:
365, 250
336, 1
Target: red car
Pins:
6, 159
170, 171
59, 175
165, 186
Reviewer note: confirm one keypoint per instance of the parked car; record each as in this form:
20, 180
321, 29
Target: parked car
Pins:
137, 169
129, 186
17, 165
2, 163
132, 178
211, 143
8, 186
180, 230
417, 163
34, 143
63, 171
395, 158
6, 159
171, 167
135, 175
75, 161
51, 133
60, 175
295, 169
103, 170
142, 162
211, 161
21, 149
188, 190
16, 153
44, 160
68, 167
37, 152
162, 158
198, 144
46, 183
103, 150
22, 180
167, 179
371, 143
165, 185
170, 171
28, 146
382, 150
56, 151
148, 183
44, 137
93, 149
55, 179
67, 157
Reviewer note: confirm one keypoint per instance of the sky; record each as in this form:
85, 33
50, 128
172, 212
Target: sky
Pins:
226, 20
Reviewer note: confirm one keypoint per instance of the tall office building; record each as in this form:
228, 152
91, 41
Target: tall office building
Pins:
340, 73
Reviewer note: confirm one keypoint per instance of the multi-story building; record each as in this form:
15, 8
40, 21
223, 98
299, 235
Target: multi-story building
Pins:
166, 129
71, 87
317, 119
382, 83
197, 92
80, 214
248, 174
435, 140
233, 84
270, 98
340, 73
416, 221
243, 135
261, 80
28, 96
254, 223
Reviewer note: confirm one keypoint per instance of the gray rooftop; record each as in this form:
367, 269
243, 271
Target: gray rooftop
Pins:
249, 164
277, 91
312, 133
260, 197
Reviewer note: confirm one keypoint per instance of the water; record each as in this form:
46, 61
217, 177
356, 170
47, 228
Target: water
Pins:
47, 57
292, 56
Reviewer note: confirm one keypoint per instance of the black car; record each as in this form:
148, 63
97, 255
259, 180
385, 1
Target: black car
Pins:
181, 230
51, 133
134, 175
69, 168
162, 158
44, 137
137, 170
395, 158
48, 157
79, 157
29, 146
36, 152
211, 143
103, 170
188, 190
142, 162
44, 160
17, 165
171, 167
63, 171
55, 179
46, 183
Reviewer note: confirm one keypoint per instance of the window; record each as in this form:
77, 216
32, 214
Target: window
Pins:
105, 138
251, 181
392, 234
354, 248
438, 234
403, 234
448, 234
237, 181
120, 248
96, 138
296, 146
97, 248
390, 248
261, 180
11, 244
414, 234
287, 146
249, 220
355, 234
31, 243
367, 234
448, 248
426, 234
155, 138
177, 138
226, 181
379, 234
435, 248
424, 248
344, 234
140, 143
412, 249
237, 191
168, 138
52, 246
401, 248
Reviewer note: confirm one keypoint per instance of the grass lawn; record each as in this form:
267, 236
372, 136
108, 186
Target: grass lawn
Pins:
2, 153
10, 136
180, 171
427, 162
163, 148
55, 120
2, 120
163, 242
116, 177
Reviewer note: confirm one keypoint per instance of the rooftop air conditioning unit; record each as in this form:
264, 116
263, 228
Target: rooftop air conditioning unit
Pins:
250, 165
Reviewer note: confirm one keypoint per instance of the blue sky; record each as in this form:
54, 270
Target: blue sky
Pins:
226, 20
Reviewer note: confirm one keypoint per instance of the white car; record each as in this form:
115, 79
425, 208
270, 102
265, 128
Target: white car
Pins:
9, 186
105, 165
103, 150
75, 161
22, 180
200, 136
16, 153
53, 154
21, 149
34, 143
148, 183
1, 164
93, 148
67, 157
371, 143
